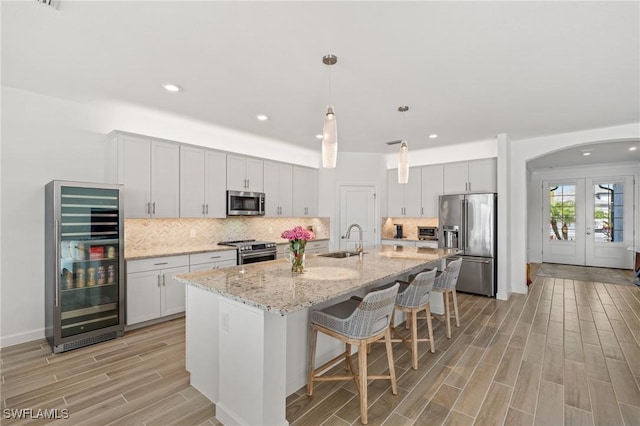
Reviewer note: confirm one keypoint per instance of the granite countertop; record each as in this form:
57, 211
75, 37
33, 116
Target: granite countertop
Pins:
283, 241
158, 251
273, 287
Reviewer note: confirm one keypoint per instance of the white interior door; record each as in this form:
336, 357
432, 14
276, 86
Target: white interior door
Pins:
588, 221
357, 205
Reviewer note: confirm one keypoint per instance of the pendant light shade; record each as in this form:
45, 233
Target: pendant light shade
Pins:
329, 139
330, 127
403, 155
403, 163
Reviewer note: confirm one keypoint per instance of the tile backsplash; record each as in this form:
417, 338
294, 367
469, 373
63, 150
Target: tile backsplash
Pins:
140, 234
409, 226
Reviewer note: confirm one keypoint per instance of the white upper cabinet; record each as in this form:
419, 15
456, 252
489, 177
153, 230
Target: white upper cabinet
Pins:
470, 176
203, 182
244, 173
405, 198
150, 172
305, 191
432, 187
278, 189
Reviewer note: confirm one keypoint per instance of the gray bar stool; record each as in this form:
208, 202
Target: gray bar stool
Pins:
354, 322
446, 284
413, 297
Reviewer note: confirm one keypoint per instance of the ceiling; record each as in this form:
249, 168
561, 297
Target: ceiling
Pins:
467, 70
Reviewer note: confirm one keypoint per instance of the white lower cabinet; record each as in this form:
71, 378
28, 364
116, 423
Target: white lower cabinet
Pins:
152, 290
212, 260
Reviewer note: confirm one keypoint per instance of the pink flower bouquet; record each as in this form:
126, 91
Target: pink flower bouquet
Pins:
298, 238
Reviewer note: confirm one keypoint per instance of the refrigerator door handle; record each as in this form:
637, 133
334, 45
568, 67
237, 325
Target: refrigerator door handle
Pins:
463, 228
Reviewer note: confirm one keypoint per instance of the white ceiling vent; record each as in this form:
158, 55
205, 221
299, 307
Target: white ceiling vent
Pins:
51, 3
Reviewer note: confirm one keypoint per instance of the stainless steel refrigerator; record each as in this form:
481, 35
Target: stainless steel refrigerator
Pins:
84, 268
469, 222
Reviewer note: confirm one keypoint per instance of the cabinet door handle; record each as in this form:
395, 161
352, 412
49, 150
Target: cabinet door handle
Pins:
203, 209
215, 257
161, 263
421, 211
207, 208
154, 208
163, 280
149, 208
158, 280
469, 186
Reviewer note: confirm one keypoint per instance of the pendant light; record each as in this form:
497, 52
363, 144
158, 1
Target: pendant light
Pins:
403, 155
330, 127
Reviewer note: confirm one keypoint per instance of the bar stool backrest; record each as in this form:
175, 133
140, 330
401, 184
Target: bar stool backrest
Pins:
449, 277
417, 293
372, 315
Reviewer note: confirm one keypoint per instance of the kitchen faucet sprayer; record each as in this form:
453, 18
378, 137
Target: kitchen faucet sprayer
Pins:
360, 248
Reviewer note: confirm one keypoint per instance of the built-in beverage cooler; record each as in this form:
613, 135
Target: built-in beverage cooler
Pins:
84, 271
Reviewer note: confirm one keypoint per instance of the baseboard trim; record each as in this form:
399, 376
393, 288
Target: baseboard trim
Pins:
18, 338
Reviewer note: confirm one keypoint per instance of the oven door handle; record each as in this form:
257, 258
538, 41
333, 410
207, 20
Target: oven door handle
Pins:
258, 254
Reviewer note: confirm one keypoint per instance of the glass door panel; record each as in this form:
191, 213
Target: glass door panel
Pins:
89, 257
609, 230
563, 236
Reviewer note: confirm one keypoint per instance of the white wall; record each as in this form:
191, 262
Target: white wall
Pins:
447, 154
45, 138
536, 224
524, 150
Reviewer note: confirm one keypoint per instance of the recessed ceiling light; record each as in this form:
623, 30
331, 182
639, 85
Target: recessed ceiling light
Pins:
433, 136
170, 87
262, 117
586, 153
633, 148
319, 136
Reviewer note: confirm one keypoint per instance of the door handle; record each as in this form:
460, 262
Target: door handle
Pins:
154, 207
148, 207
158, 280
203, 209
163, 280
207, 208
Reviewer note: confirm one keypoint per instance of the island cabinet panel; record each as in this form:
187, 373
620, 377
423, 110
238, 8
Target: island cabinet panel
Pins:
470, 176
405, 198
150, 172
152, 290
305, 191
203, 182
432, 188
245, 173
278, 189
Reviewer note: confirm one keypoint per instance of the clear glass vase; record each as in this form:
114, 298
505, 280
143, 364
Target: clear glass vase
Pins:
297, 261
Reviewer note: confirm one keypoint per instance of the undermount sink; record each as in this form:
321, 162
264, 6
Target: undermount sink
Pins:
340, 254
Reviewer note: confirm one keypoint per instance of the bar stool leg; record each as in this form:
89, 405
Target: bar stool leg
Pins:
392, 368
447, 313
313, 334
362, 361
430, 329
455, 307
414, 338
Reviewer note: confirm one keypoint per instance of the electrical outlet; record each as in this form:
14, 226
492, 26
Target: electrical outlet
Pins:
192, 233
225, 321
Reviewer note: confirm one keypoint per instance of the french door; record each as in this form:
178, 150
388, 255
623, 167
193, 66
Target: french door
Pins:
588, 221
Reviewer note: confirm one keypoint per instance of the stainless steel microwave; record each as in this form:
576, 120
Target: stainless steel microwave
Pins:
241, 203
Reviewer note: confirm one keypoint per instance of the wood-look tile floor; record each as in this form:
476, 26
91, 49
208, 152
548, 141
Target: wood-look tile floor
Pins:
567, 353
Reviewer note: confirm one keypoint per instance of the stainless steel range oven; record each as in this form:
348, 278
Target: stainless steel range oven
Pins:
252, 251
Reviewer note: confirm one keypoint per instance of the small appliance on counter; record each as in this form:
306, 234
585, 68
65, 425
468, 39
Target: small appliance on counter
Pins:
429, 233
398, 231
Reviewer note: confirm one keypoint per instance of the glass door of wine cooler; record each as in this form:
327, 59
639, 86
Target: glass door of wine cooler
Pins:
88, 229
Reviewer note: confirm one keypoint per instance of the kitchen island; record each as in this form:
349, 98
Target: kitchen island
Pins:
246, 326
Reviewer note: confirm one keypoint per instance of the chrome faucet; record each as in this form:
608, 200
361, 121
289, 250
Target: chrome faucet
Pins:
360, 247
